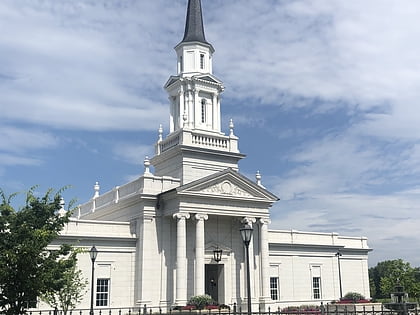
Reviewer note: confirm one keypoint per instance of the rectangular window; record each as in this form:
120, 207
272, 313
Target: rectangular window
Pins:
102, 292
203, 111
201, 61
316, 286
274, 288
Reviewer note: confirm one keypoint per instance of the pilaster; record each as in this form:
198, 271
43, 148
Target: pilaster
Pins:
265, 264
181, 258
199, 253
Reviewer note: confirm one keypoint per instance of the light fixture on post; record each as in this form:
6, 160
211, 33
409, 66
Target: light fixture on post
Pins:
93, 253
217, 253
246, 234
338, 254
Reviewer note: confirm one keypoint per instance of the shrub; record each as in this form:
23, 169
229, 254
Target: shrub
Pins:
353, 296
200, 301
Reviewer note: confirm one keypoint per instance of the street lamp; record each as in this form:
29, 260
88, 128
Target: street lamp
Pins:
338, 254
93, 253
246, 234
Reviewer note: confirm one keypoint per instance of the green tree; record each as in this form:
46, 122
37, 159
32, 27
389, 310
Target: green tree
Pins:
387, 274
67, 285
25, 262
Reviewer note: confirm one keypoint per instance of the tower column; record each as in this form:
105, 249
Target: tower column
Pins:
190, 108
215, 113
197, 113
265, 264
199, 253
181, 258
182, 108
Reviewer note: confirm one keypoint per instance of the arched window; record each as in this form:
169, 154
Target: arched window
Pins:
203, 110
181, 64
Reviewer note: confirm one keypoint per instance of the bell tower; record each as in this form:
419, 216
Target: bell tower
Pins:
194, 93
195, 146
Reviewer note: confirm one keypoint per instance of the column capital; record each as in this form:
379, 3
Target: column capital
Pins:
248, 220
181, 215
200, 216
264, 221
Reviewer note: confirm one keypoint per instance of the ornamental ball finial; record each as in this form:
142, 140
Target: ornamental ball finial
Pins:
258, 178
146, 165
62, 211
160, 132
96, 188
231, 126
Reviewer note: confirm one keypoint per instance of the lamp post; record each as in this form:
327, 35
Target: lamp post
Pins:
93, 253
338, 254
246, 234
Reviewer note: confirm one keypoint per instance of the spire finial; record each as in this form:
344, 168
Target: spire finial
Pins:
62, 211
96, 189
194, 28
146, 165
160, 131
258, 179
231, 126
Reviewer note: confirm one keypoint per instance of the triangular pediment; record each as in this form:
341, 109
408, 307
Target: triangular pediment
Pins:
227, 184
209, 78
171, 81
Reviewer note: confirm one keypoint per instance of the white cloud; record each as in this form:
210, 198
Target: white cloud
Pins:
20, 140
389, 221
132, 153
9, 159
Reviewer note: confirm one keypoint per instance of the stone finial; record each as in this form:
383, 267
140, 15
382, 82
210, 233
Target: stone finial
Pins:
160, 133
231, 126
146, 165
62, 211
258, 178
96, 188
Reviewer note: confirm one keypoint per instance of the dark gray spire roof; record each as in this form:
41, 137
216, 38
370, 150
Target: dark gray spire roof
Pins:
194, 29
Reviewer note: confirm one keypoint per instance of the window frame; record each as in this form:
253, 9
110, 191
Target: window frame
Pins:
274, 288
316, 288
203, 110
102, 297
202, 62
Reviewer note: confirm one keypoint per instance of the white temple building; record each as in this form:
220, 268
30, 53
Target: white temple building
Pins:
158, 234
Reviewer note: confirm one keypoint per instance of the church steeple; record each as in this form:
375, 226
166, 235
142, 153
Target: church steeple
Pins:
196, 145
194, 52
194, 27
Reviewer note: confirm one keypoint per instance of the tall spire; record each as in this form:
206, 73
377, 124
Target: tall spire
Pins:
194, 29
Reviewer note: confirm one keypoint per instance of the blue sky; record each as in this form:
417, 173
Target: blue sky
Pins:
324, 96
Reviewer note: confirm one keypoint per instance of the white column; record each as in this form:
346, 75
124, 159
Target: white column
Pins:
172, 116
215, 122
191, 110
199, 253
265, 264
181, 258
182, 107
218, 112
197, 108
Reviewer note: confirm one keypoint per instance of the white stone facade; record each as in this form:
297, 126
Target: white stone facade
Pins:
156, 235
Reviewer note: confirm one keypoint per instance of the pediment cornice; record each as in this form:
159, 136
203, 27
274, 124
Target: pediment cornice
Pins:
227, 184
